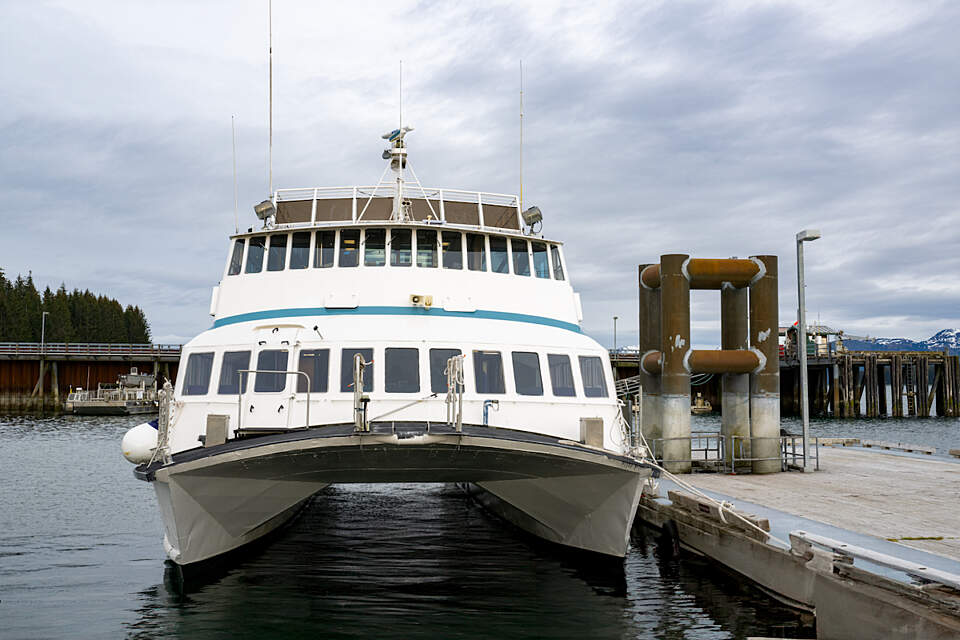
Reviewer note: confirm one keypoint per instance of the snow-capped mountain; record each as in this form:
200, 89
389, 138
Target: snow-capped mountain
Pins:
946, 339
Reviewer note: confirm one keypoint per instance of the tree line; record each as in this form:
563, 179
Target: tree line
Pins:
73, 316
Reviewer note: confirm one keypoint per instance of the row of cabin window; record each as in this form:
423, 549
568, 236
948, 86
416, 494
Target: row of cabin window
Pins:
402, 372
431, 247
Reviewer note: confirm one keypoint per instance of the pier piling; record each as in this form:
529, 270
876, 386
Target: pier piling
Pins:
735, 387
675, 378
649, 318
765, 383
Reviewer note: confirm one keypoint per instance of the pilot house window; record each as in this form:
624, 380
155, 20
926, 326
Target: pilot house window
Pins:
323, 255
401, 252
561, 375
541, 262
300, 250
255, 254
452, 250
374, 248
278, 252
349, 247
521, 259
236, 260
499, 262
426, 248
557, 265
476, 252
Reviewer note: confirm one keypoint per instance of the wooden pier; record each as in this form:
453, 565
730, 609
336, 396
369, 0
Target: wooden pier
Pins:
873, 539
853, 384
35, 377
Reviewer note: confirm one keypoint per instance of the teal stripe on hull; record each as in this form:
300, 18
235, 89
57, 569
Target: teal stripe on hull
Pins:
395, 311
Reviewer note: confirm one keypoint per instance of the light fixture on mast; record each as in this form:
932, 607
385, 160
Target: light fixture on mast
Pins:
397, 154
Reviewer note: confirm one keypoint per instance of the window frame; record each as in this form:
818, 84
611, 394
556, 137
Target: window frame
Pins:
242, 243
317, 262
283, 247
346, 382
588, 391
514, 256
242, 378
271, 376
301, 381
357, 250
477, 368
263, 251
367, 262
553, 384
200, 357
516, 379
387, 352
442, 377
293, 240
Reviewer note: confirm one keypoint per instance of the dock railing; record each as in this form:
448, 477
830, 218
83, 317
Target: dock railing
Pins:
87, 349
709, 448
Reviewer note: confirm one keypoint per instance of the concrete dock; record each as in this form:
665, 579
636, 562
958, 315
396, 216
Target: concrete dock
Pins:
870, 544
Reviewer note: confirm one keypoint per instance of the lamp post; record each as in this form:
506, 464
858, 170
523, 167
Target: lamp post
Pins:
807, 235
43, 332
615, 318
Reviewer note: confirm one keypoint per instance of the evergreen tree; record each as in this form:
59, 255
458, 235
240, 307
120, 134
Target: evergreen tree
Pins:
72, 316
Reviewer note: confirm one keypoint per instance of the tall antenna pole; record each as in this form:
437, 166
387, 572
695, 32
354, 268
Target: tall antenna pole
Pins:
521, 135
236, 215
401, 94
270, 6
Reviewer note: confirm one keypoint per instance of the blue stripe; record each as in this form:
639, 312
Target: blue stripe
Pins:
395, 311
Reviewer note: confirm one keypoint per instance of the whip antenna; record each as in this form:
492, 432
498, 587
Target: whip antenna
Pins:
521, 135
270, 45
236, 214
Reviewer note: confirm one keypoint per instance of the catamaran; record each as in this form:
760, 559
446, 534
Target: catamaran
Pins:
392, 333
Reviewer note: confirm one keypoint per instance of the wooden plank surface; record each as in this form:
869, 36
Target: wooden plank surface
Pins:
878, 494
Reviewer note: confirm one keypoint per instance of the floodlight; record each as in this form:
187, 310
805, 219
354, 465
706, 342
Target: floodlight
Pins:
532, 216
265, 209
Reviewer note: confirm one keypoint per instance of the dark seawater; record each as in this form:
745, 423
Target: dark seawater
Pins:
81, 557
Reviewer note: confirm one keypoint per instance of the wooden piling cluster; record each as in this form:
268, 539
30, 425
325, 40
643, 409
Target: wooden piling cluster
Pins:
853, 384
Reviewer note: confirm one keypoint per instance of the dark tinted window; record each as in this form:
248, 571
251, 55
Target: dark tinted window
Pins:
557, 265
231, 380
197, 379
278, 252
526, 373
349, 247
401, 251
255, 254
236, 260
438, 365
488, 371
402, 370
426, 248
452, 250
300, 250
375, 248
521, 259
594, 382
499, 263
541, 262
271, 360
561, 375
476, 252
346, 369
323, 253
316, 364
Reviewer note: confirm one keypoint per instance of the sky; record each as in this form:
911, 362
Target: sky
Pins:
713, 129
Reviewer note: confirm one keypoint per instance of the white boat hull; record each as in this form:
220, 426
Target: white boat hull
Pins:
217, 499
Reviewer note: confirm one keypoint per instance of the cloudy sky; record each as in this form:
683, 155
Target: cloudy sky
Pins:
714, 129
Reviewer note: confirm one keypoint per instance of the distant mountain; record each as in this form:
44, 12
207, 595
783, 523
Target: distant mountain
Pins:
946, 339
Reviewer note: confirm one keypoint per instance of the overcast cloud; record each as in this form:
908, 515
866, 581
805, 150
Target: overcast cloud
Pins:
714, 129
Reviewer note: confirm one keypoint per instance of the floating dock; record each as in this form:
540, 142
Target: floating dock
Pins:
870, 544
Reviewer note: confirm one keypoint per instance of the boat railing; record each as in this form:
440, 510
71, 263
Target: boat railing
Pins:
465, 207
241, 388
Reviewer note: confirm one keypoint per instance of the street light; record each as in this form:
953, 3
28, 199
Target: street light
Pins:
807, 235
43, 332
615, 318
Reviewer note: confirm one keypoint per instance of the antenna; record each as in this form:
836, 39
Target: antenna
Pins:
236, 215
401, 94
270, 152
521, 135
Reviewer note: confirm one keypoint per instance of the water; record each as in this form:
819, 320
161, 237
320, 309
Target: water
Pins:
81, 557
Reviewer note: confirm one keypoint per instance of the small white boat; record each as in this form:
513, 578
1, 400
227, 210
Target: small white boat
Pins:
393, 333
